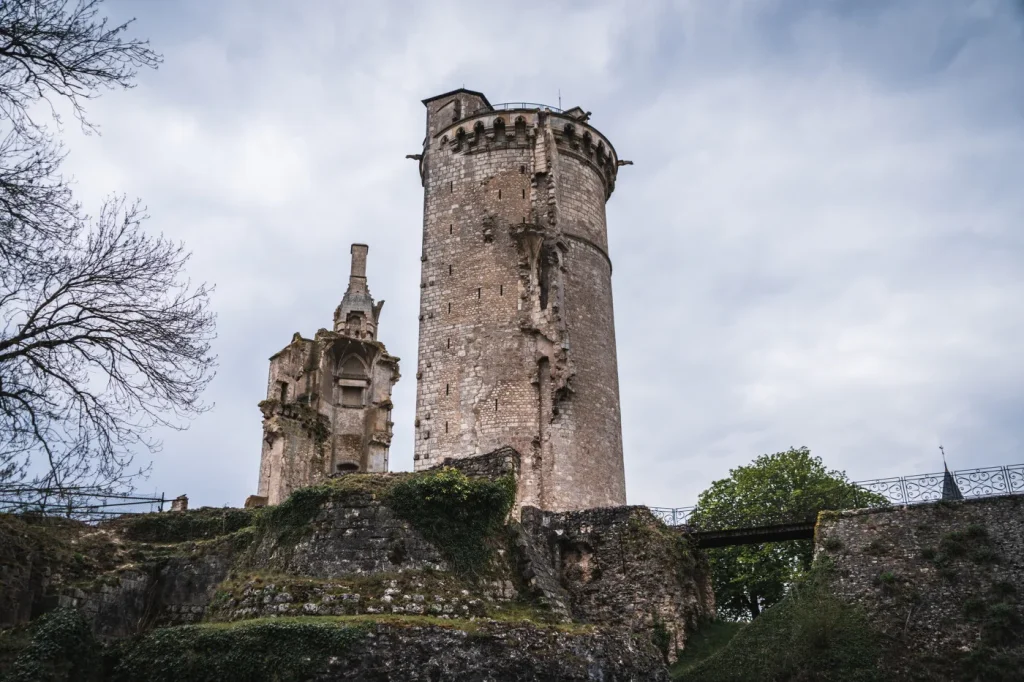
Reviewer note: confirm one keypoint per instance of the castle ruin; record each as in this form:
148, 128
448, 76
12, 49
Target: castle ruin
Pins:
517, 337
328, 405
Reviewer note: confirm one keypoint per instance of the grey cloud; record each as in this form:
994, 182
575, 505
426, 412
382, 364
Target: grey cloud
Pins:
819, 243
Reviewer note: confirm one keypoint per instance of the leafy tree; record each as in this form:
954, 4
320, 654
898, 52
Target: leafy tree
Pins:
101, 335
781, 488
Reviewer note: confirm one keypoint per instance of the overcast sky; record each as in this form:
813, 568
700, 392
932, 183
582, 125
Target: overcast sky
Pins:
820, 242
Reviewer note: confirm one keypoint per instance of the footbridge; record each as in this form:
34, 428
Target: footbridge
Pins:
709, 531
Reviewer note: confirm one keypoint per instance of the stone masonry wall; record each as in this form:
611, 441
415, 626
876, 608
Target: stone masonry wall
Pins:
491, 465
517, 342
932, 576
617, 566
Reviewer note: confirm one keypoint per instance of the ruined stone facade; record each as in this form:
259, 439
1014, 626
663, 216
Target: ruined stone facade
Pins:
517, 338
328, 406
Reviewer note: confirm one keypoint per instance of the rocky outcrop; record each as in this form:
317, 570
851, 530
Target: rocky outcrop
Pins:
452, 592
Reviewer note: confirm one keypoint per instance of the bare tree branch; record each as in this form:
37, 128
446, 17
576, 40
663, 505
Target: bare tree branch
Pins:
101, 335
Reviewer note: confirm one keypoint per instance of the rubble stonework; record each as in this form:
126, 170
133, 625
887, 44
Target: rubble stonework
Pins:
931, 576
617, 566
328, 406
517, 339
603, 594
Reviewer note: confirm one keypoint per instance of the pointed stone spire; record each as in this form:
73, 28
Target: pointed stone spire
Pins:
357, 315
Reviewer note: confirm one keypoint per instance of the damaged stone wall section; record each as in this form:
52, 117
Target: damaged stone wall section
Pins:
616, 566
328, 404
541, 249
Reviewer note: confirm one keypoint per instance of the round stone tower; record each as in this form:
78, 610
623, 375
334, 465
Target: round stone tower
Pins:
517, 337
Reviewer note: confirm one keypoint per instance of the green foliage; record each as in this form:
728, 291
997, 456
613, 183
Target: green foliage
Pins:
197, 524
279, 650
876, 548
809, 635
709, 639
61, 649
998, 656
662, 638
461, 516
832, 544
972, 543
779, 488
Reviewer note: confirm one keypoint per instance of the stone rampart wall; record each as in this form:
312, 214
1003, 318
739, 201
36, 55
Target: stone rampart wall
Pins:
939, 577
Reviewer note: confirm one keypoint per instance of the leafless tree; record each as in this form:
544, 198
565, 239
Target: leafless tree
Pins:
101, 335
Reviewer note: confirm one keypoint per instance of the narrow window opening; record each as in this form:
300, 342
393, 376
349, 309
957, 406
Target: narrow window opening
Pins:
446, 427
451, 229
478, 292
449, 342
524, 220
499, 193
522, 169
447, 388
524, 193
451, 186
495, 404
449, 270
449, 307
501, 290
283, 388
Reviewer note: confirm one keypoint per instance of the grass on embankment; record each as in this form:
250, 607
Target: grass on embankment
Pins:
810, 635
708, 640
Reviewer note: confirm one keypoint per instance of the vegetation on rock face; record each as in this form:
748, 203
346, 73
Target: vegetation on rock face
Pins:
808, 635
277, 650
461, 516
61, 648
777, 488
198, 524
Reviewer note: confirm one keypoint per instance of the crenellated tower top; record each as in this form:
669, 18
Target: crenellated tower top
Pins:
465, 122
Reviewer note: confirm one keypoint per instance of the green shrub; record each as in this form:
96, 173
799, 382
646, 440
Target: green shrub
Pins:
876, 548
279, 650
832, 544
461, 516
1002, 625
61, 649
974, 608
197, 524
1004, 591
662, 638
985, 555
809, 635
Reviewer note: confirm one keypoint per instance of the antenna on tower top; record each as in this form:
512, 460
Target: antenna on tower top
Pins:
943, 451
559, 98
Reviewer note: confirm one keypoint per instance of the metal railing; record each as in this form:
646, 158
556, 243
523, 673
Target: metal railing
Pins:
88, 504
903, 490
506, 106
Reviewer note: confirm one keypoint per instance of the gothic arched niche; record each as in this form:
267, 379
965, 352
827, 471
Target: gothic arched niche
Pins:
353, 366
